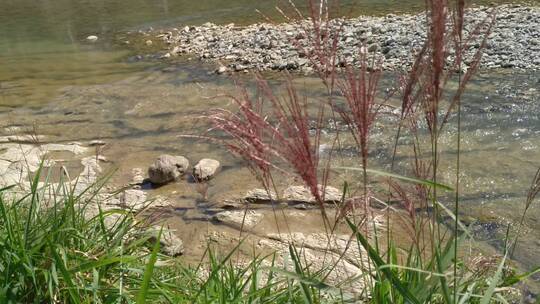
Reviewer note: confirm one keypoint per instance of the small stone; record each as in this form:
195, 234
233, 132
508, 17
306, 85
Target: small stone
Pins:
206, 169
222, 70
303, 61
301, 207
507, 65
92, 38
239, 67
167, 168
148, 42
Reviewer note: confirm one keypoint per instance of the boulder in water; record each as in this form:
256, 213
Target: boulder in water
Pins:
167, 169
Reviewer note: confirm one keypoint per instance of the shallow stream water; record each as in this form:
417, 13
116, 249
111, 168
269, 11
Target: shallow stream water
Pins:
54, 83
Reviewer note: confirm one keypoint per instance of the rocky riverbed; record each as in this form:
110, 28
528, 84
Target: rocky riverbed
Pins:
514, 41
79, 167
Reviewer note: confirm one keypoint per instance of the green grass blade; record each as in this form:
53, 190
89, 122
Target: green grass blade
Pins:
216, 269
396, 282
441, 266
102, 262
149, 271
453, 217
65, 274
486, 299
468, 294
303, 279
298, 268
33, 202
6, 188
518, 278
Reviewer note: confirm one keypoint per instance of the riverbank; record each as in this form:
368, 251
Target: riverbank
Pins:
514, 41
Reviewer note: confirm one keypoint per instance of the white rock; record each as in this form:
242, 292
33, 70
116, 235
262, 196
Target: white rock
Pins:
92, 38
222, 69
206, 169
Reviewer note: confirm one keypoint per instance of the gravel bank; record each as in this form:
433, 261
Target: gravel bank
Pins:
513, 43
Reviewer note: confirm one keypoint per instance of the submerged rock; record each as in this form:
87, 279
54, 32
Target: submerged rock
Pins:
19, 160
302, 194
167, 168
321, 250
206, 169
260, 195
134, 199
245, 219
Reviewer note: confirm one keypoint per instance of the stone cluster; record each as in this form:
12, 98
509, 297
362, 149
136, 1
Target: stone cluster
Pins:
514, 41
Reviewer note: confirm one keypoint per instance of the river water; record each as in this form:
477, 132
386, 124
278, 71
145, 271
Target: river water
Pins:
43, 47
53, 82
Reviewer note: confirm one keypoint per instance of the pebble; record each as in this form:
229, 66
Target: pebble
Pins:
92, 38
222, 70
